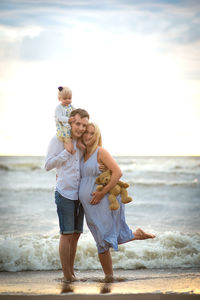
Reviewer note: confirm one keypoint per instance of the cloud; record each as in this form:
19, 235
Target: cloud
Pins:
12, 38
46, 46
46, 30
120, 52
177, 21
141, 16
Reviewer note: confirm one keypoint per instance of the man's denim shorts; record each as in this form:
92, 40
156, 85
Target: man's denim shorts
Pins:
70, 214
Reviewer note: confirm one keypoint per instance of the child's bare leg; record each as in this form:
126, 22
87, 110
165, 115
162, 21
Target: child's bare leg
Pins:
69, 146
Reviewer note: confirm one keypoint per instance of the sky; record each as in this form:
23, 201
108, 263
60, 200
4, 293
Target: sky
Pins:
133, 65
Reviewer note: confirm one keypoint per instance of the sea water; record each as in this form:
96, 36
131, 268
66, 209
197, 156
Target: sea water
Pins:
166, 201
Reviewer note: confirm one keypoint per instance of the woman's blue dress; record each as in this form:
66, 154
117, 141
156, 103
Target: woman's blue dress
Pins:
108, 227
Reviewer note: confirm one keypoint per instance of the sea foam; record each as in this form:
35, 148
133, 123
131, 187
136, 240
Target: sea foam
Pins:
40, 252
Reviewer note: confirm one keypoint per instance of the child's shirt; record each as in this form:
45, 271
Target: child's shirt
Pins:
62, 113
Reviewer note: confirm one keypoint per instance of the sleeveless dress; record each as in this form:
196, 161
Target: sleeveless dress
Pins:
108, 227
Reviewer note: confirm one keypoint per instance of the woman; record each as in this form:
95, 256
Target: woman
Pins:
108, 227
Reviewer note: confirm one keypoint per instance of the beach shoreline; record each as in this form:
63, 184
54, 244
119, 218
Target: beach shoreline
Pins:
110, 297
132, 284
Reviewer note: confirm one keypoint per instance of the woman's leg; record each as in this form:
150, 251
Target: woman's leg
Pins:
106, 263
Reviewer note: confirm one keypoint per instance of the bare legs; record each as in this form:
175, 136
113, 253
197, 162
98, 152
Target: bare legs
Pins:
106, 263
67, 251
73, 248
106, 259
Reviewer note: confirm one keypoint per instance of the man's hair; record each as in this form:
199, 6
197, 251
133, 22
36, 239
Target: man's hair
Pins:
82, 113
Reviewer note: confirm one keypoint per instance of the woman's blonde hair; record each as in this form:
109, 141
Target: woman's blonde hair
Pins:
64, 92
97, 133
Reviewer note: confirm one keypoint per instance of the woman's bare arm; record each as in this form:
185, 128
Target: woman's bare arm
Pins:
105, 158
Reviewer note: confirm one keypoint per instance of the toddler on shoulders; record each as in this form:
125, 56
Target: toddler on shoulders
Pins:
62, 117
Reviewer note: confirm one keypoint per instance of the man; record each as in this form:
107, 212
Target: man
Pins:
69, 209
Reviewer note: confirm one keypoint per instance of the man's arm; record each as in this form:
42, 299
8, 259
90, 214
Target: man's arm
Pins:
56, 155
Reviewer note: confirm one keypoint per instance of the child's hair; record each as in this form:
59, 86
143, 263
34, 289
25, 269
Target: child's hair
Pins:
64, 92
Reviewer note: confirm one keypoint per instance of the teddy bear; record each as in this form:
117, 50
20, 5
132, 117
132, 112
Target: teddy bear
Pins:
119, 189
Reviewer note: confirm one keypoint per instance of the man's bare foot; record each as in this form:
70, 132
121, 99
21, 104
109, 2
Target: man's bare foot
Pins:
74, 277
141, 235
67, 280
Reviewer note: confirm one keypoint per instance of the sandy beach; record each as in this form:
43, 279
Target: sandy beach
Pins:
131, 284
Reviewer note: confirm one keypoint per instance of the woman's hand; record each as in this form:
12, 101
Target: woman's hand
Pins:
96, 197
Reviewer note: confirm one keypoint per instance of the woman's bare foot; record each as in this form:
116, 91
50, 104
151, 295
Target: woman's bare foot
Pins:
109, 278
141, 235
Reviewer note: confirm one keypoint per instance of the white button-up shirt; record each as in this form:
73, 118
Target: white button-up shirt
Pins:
67, 168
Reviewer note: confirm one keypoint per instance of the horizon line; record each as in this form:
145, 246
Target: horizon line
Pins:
114, 155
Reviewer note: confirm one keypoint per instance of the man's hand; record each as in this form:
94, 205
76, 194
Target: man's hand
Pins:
102, 167
96, 197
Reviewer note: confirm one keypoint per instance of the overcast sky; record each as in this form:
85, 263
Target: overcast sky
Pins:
134, 65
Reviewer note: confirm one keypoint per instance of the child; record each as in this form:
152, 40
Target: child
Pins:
62, 117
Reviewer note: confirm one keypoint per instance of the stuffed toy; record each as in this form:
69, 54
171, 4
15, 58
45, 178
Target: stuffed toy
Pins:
118, 189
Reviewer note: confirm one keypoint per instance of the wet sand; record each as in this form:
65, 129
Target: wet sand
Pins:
129, 284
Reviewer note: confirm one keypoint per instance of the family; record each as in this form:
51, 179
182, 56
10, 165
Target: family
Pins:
78, 157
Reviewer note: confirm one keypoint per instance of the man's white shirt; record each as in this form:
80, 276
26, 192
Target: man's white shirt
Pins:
67, 168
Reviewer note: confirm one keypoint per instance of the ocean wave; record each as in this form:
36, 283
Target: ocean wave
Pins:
4, 167
161, 173
20, 167
41, 187
40, 252
126, 162
27, 189
179, 167
161, 183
